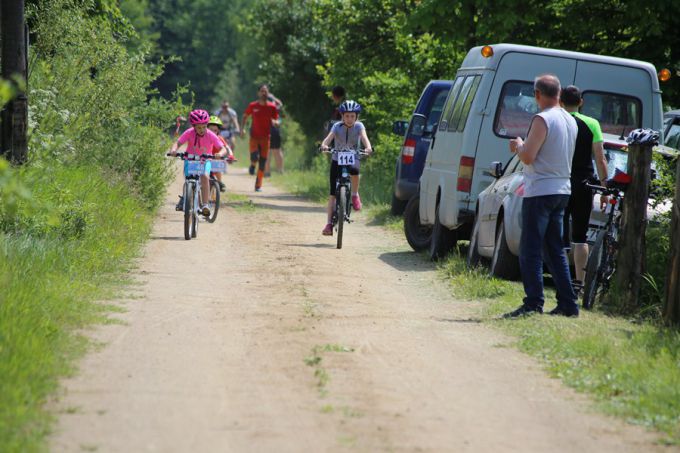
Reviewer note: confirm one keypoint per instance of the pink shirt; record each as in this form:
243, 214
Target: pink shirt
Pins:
197, 144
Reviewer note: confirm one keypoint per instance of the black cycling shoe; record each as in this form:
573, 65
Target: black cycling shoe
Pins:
180, 204
251, 169
523, 312
559, 311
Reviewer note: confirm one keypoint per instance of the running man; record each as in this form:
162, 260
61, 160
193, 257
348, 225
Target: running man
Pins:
264, 115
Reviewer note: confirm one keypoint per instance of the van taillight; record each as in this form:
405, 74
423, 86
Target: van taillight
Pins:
408, 150
467, 165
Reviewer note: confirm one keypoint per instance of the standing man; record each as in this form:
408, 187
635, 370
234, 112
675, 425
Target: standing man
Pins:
275, 139
264, 115
338, 94
588, 147
230, 127
547, 154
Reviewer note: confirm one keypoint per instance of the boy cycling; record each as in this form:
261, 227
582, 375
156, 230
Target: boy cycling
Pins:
346, 135
214, 125
199, 141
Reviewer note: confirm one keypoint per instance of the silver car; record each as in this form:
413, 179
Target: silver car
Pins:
497, 228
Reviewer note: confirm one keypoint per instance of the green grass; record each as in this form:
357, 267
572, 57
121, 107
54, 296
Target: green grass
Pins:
631, 369
54, 265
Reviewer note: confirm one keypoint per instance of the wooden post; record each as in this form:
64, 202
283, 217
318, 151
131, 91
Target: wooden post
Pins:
671, 311
15, 114
630, 260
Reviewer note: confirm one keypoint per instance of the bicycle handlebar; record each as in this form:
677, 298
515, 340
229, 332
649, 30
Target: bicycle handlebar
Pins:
360, 152
187, 156
612, 188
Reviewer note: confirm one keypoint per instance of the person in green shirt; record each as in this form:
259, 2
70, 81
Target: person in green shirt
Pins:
589, 148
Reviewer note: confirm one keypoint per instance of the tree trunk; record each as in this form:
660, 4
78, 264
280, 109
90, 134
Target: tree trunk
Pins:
671, 310
631, 255
15, 114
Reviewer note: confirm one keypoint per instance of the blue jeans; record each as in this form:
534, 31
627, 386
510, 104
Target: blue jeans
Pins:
541, 242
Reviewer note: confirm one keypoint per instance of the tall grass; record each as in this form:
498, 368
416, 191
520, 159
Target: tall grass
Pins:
50, 280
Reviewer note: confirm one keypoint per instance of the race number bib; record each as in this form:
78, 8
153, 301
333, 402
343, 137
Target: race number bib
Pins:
345, 158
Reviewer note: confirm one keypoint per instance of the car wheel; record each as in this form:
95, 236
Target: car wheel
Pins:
397, 206
443, 239
417, 234
474, 259
503, 263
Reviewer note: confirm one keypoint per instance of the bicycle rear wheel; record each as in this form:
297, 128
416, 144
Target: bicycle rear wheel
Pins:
341, 209
214, 200
592, 284
188, 211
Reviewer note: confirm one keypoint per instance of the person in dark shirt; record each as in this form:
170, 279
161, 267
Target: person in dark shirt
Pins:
589, 147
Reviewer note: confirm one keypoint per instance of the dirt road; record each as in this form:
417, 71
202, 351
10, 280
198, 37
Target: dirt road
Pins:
260, 336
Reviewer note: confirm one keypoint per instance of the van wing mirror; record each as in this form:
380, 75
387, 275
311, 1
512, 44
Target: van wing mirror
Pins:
418, 123
495, 170
400, 127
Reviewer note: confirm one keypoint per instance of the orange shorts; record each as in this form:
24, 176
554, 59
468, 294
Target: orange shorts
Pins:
260, 144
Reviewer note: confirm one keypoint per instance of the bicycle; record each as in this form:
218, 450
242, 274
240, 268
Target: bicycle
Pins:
194, 167
217, 166
343, 188
601, 263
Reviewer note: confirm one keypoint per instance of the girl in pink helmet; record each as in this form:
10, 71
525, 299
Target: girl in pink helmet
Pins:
200, 141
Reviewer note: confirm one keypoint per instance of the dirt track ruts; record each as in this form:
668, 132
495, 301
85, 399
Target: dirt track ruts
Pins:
260, 336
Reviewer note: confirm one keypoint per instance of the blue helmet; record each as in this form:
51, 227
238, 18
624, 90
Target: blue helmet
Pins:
350, 106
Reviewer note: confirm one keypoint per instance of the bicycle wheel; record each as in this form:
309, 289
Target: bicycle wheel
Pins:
341, 209
214, 201
197, 203
592, 281
188, 211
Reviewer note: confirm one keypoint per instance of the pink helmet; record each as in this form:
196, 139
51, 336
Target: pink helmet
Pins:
199, 117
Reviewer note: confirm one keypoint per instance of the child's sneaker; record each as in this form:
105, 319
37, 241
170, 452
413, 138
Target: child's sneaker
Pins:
222, 186
328, 230
180, 204
205, 210
356, 202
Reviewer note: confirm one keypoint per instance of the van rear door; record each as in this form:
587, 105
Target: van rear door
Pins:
510, 107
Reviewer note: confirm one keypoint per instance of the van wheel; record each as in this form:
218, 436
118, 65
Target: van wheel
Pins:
503, 263
397, 206
474, 259
443, 239
417, 234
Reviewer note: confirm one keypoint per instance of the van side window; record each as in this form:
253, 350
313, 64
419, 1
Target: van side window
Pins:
453, 95
464, 103
615, 112
516, 107
436, 110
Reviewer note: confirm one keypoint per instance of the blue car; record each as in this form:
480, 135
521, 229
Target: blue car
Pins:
417, 135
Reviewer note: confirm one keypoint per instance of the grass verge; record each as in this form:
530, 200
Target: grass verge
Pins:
631, 369
52, 270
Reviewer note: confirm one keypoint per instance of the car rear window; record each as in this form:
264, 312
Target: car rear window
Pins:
436, 110
515, 109
615, 112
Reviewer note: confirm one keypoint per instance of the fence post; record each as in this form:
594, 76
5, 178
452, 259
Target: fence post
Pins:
671, 311
15, 114
630, 260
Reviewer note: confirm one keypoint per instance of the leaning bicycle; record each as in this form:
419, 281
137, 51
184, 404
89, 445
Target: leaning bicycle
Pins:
601, 263
347, 158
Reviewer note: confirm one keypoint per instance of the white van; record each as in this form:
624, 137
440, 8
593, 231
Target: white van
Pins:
492, 101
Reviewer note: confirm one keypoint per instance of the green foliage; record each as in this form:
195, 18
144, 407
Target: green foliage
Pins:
73, 216
49, 283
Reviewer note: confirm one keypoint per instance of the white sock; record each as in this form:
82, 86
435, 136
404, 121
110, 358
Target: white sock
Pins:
355, 194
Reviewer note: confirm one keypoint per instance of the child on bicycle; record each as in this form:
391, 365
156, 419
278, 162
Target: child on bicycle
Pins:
214, 125
346, 135
199, 141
